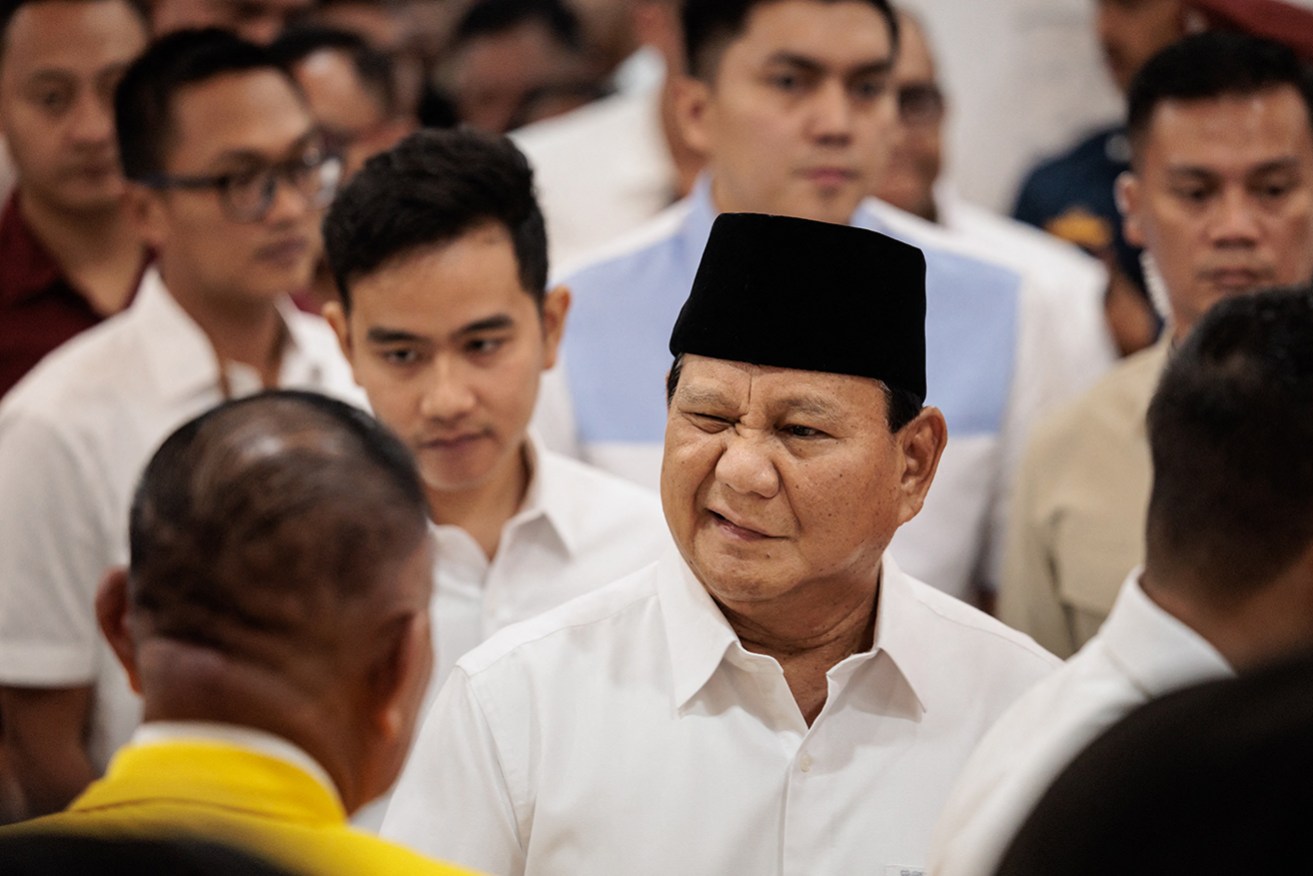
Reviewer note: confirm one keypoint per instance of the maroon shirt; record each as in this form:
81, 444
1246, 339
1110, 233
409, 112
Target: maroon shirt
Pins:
39, 308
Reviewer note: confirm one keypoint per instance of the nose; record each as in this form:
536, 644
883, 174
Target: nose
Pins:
448, 395
1236, 222
93, 120
746, 467
832, 112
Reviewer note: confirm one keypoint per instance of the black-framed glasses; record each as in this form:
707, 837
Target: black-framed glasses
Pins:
920, 103
247, 195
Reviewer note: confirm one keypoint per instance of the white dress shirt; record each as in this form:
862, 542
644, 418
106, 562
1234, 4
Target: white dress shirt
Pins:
600, 171
75, 434
578, 529
1142, 652
630, 732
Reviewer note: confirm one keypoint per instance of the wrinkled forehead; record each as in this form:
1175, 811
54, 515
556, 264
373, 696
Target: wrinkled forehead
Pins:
743, 386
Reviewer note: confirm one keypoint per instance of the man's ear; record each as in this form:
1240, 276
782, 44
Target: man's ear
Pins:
1129, 193
692, 103
399, 677
145, 210
555, 306
112, 615
336, 317
922, 442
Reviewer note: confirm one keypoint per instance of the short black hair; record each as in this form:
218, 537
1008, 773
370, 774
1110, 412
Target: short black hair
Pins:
266, 514
494, 17
428, 190
1231, 435
143, 102
373, 68
901, 405
9, 8
1208, 66
710, 25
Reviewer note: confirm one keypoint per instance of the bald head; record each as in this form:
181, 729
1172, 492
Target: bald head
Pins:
270, 515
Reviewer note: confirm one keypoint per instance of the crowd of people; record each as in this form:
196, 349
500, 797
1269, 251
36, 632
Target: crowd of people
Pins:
533, 436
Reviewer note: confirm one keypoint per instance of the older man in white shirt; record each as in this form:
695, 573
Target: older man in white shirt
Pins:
779, 697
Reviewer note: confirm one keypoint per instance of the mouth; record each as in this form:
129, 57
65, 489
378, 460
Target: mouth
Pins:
830, 177
451, 443
285, 252
738, 529
1237, 279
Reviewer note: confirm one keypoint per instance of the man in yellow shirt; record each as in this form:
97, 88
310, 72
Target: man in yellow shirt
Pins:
274, 620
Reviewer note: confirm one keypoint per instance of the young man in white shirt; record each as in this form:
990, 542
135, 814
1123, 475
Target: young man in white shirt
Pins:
440, 256
227, 181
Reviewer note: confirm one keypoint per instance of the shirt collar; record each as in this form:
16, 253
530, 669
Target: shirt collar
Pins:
249, 738
699, 637
30, 269
899, 630
1156, 651
549, 496
179, 355
697, 634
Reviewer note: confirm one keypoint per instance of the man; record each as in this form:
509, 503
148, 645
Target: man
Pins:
440, 256
350, 89
780, 698
791, 101
1076, 283
511, 62
608, 167
227, 181
1071, 195
69, 254
1228, 574
1221, 195
1214, 779
275, 620
352, 95
260, 21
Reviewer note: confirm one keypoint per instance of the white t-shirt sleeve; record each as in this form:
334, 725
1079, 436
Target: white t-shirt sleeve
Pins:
53, 550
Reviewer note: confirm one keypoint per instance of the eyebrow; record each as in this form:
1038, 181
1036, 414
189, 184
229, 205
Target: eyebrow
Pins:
492, 323
392, 336
702, 397
1276, 165
811, 65
811, 405
234, 156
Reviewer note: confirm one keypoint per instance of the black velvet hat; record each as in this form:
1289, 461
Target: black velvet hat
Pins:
794, 293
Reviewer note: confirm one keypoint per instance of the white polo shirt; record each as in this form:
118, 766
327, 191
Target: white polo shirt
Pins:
578, 529
75, 435
630, 732
1142, 652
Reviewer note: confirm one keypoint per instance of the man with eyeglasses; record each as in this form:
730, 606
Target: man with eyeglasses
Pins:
227, 183
1074, 282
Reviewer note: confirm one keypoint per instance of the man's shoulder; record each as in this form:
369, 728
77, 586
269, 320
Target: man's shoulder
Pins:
74, 380
947, 253
1113, 408
607, 617
558, 140
609, 502
1090, 151
632, 256
967, 629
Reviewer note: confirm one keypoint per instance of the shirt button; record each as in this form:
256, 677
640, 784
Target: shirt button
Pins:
805, 763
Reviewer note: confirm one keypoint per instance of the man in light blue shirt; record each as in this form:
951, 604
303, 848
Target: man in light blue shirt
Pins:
793, 103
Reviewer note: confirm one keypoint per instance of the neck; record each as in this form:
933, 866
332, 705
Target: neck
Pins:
808, 639
1249, 630
97, 249
181, 682
688, 162
247, 331
483, 511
